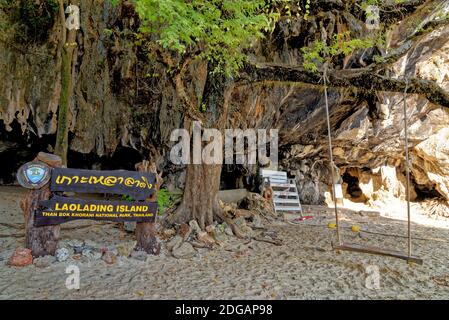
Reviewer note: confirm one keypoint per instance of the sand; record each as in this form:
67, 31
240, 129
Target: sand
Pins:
304, 267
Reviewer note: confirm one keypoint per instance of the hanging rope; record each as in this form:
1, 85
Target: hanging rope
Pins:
331, 157
407, 171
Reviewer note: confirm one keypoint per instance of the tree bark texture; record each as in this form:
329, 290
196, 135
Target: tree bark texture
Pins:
40, 240
146, 231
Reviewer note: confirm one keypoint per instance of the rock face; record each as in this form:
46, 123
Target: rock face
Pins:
124, 100
431, 162
369, 139
117, 100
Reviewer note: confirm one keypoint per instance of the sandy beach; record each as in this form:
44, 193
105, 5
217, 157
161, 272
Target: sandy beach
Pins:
304, 267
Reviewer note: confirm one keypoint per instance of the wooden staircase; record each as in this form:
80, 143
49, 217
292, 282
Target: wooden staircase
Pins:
285, 192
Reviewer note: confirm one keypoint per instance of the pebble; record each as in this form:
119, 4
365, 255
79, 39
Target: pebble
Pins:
257, 222
227, 229
21, 257
62, 254
174, 242
75, 243
109, 257
78, 249
91, 244
194, 226
185, 250
169, 232
184, 231
91, 254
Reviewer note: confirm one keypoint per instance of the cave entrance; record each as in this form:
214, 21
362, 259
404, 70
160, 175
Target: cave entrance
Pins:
353, 191
17, 148
240, 177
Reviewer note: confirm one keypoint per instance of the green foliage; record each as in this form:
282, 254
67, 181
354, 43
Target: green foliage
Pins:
214, 30
340, 44
126, 197
165, 200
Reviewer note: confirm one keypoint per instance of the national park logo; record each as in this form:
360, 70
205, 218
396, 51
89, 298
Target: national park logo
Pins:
33, 175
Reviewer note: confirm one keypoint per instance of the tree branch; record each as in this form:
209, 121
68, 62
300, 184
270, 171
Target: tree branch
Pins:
358, 78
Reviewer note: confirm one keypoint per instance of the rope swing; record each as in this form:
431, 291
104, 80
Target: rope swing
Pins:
356, 247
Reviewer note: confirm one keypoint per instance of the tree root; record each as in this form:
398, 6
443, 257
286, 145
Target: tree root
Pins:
235, 229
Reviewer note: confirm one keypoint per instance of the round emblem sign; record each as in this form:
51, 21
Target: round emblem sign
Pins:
33, 175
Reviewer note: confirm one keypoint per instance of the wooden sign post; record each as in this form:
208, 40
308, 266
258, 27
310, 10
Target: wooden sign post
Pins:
146, 231
45, 206
40, 240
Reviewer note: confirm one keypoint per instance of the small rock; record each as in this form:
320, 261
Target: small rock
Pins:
130, 226
257, 222
174, 242
240, 222
91, 244
184, 231
62, 254
139, 255
168, 233
91, 254
64, 244
21, 257
125, 249
184, 251
78, 249
194, 227
109, 257
244, 229
43, 262
219, 233
210, 228
227, 229
75, 243
205, 238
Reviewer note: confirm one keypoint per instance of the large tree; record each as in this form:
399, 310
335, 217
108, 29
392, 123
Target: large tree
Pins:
220, 32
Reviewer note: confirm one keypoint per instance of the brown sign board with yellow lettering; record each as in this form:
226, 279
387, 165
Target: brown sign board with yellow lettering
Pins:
138, 185
59, 209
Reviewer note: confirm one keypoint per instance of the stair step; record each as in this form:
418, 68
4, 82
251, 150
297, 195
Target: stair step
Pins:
287, 208
284, 200
283, 185
285, 193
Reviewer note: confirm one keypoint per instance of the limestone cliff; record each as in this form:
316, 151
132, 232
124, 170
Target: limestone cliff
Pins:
125, 106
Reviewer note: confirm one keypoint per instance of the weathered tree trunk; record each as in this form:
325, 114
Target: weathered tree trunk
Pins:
146, 231
200, 200
40, 240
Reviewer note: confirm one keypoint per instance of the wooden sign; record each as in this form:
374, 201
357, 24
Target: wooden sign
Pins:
45, 208
59, 209
138, 185
33, 175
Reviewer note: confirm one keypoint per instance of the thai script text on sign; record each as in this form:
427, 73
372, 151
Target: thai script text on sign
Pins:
138, 185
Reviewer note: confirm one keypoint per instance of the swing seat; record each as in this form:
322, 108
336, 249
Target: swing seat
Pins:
377, 250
